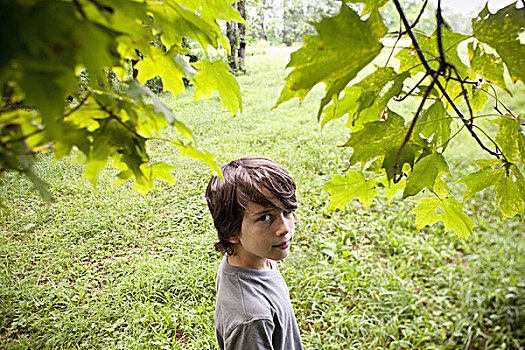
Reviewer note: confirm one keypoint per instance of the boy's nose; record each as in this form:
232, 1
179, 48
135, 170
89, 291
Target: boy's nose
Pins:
284, 225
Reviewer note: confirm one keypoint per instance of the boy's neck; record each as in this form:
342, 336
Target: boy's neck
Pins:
235, 260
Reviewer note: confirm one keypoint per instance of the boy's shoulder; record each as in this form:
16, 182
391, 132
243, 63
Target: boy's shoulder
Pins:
249, 294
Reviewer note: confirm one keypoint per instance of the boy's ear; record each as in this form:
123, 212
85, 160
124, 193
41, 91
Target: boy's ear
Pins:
234, 240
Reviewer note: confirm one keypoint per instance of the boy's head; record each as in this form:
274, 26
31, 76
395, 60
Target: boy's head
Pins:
258, 180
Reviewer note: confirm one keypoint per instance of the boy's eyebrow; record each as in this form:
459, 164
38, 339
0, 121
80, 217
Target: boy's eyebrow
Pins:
264, 211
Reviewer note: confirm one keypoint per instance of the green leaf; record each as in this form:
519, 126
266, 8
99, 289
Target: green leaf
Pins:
368, 98
383, 97
479, 98
216, 76
489, 66
435, 123
406, 156
448, 210
190, 151
161, 63
177, 21
340, 107
429, 46
377, 138
343, 189
162, 171
391, 188
214, 9
324, 58
508, 182
96, 46
501, 32
424, 175
510, 138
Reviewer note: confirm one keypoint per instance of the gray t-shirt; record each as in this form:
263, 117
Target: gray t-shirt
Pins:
253, 310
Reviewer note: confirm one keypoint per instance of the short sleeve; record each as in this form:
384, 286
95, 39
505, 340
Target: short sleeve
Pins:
252, 335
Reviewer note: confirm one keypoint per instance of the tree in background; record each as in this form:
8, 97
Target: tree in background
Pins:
285, 21
236, 33
58, 70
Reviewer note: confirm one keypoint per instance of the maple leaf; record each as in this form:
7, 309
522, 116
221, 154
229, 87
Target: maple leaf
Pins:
500, 31
324, 59
216, 76
448, 210
343, 189
425, 172
506, 179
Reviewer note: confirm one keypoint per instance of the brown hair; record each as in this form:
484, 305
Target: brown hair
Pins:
245, 180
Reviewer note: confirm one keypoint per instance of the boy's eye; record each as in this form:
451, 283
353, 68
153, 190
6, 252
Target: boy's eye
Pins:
265, 217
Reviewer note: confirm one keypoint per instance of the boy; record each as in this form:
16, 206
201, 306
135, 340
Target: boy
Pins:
253, 212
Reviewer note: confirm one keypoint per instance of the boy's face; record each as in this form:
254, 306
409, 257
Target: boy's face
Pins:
266, 233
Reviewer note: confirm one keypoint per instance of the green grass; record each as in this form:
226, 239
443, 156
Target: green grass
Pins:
111, 269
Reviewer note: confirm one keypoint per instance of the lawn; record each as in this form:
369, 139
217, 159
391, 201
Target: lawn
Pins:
108, 268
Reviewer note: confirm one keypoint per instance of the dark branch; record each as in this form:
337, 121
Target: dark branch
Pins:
113, 116
491, 140
436, 81
413, 124
413, 25
412, 36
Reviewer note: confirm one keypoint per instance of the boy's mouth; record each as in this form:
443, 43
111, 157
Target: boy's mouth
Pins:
283, 245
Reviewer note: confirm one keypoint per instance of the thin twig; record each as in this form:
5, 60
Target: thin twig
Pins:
25, 137
80, 9
74, 109
493, 142
451, 137
401, 33
464, 92
113, 116
413, 124
399, 99
392, 52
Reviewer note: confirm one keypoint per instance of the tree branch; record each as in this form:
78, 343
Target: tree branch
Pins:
412, 36
431, 71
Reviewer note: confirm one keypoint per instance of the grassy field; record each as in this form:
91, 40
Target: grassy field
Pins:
111, 269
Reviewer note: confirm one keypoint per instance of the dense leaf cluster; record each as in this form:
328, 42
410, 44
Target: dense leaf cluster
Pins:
48, 46
448, 92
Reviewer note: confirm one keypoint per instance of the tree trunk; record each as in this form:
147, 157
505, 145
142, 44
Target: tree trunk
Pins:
262, 29
241, 6
230, 33
285, 23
